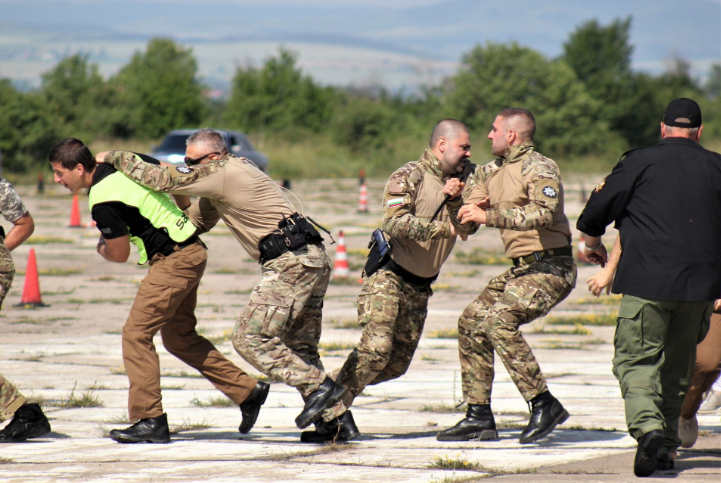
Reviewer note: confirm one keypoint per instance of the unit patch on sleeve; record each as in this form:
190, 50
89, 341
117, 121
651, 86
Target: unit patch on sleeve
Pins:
183, 169
550, 192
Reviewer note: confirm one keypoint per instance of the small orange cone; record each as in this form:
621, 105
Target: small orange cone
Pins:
31, 289
340, 267
363, 203
75, 214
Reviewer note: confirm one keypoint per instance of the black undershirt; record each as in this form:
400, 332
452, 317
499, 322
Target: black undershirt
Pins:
115, 219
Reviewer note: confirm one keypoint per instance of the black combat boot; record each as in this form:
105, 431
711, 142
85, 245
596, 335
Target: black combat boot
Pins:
150, 430
327, 394
665, 459
547, 412
644, 464
250, 408
339, 430
478, 425
29, 421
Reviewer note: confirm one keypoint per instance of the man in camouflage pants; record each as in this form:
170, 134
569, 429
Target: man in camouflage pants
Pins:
393, 302
279, 329
520, 193
28, 419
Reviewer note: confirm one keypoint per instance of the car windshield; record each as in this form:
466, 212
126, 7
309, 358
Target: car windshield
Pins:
174, 143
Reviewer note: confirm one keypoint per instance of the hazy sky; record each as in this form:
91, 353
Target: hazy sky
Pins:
401, 42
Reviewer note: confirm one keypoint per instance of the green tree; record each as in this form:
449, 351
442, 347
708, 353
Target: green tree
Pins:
498, 76
601, 58
158, 91
77, 98
712, 87
278, 97
27, 132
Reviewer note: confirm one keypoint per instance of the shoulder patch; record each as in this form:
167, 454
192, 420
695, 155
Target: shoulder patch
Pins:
549, 192
600, 185
183, 169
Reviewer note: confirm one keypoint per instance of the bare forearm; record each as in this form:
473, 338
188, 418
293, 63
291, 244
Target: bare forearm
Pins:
24, 227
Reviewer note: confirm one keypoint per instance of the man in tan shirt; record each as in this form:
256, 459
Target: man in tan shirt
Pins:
520, 193
279, 330
393, 302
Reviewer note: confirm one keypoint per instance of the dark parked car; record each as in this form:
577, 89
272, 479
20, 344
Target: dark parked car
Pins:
172, 149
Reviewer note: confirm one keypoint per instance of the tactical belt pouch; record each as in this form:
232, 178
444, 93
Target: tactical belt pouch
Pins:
293, 233
380, 252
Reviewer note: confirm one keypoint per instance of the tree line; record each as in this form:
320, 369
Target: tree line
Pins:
587, 102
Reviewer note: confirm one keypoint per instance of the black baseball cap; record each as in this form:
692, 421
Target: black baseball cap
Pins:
682, 112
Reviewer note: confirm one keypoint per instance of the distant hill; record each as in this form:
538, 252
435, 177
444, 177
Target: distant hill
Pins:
398, 44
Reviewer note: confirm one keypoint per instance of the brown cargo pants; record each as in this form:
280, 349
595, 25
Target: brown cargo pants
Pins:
166, 302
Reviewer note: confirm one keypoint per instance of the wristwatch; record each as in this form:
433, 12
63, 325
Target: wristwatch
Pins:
593, 249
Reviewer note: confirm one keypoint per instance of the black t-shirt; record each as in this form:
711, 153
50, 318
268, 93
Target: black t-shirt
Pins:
666, 202
115, 219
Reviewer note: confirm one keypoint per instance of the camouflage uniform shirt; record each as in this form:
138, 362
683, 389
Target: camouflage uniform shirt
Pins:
412, 195
526, 200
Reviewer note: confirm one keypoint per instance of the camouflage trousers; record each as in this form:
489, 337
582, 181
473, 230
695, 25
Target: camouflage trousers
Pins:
10, 397
279, 330
491, 323
391, 313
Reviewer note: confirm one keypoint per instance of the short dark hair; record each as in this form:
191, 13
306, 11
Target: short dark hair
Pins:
525, 115
70, 152
446, 128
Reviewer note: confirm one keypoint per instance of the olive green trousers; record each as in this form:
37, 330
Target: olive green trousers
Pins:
655, 354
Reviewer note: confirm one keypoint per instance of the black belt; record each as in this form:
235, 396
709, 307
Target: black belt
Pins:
392, 266
538, 256
179, 246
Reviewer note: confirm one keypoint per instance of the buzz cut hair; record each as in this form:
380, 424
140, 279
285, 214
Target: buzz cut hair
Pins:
447, 128
70, 152
523, 119
209, 139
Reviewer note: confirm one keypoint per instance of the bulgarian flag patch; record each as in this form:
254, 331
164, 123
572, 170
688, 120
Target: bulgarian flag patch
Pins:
395, 202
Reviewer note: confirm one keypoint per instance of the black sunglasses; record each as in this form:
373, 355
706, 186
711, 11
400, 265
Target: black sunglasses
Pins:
191, 161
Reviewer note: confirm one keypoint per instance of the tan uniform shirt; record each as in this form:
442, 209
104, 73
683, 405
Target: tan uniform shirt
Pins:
411, 197
526, 200
234, 189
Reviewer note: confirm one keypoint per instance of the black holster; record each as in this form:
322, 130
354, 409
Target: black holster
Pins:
380, 252
293, 232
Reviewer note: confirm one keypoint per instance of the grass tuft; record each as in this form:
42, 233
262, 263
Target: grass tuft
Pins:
188, 425
344, 281
46, 240
479, 256
213, 402
455, 464
444, 334
225, 336
585, 319
118, 371
86, 400
343, 323
335, 346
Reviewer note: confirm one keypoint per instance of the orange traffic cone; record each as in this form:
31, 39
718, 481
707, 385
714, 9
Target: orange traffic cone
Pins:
31, 289
75, 214
340, 267
363, 202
